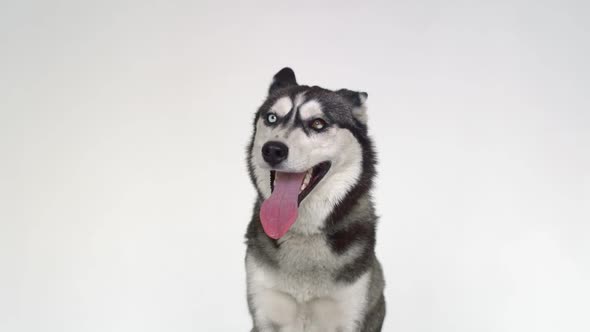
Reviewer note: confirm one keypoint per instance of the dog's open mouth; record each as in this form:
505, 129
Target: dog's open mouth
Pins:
312, 177
279, 211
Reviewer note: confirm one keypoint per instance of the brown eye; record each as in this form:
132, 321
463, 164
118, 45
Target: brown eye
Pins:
318, 124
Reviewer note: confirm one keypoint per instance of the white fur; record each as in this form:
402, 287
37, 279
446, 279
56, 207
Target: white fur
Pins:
282, 106
360, 112
309, 110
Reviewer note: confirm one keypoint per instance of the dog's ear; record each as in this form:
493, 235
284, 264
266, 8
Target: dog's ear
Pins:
358, 101
284, 78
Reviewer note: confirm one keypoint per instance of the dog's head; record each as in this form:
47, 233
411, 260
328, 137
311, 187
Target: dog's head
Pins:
310, 155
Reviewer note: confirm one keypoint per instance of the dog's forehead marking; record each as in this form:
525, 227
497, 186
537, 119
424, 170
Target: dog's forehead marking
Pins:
310, 109
290, 119
282, 106
299, 99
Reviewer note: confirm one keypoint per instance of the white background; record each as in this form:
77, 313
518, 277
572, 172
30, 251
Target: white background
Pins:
124, 195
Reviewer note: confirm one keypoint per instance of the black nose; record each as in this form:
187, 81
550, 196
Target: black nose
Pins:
274, 152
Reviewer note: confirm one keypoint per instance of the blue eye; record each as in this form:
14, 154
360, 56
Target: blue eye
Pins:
271, 118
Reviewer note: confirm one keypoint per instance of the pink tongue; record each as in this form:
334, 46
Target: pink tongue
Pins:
279, 211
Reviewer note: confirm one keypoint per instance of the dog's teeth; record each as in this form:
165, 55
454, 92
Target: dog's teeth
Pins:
307, 178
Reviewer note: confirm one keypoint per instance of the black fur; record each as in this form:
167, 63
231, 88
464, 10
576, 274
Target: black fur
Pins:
284, 78
341, 240
355, 98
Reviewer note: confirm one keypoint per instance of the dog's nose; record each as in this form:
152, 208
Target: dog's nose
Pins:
274, 152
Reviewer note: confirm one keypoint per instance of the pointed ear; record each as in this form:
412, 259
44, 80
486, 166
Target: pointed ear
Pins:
358, 101
284, 78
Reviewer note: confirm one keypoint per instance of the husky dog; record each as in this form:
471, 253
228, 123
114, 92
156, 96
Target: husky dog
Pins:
310, 257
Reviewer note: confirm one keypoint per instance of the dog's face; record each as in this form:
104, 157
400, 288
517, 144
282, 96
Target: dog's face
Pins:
307, 153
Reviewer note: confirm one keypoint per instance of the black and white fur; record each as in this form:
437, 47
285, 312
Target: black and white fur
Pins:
323, 274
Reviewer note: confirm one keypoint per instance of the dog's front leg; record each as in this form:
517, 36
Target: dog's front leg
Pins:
344, 309
275, 311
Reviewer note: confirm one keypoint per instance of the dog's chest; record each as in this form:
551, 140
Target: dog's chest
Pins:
307, 266
301, 294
